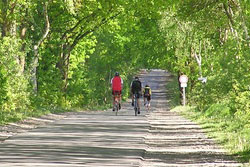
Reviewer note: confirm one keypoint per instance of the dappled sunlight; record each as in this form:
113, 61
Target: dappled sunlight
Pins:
175, 141
158, 138
80, 139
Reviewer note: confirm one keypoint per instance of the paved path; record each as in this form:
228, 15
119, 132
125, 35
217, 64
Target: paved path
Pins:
156, 139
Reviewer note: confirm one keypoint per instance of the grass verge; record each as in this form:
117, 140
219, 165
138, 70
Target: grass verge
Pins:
10, 117
229, 131
173, 94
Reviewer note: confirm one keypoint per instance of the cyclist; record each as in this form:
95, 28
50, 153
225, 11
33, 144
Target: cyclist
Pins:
147, 94
136, 88
117, 84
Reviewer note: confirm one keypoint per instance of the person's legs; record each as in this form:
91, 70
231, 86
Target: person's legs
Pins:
113, 102
148, 102
120, 99
132, 94
120, 96
113, 97
138, 101
149, 98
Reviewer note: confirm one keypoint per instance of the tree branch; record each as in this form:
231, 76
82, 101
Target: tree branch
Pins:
77, 24
231, 22
228, 14
82, 35
47, 28
13, 6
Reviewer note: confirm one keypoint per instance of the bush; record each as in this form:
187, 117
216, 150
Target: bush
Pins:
218, 110
14, 95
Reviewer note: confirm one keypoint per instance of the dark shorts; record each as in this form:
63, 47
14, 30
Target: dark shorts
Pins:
148, 97
137, 94
115, 92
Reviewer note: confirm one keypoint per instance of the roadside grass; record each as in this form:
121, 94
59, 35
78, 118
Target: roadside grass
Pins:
16, 116
173, 94
228, 131
10, 117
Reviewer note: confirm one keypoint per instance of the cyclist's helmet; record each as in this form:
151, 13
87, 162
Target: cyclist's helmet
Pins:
136, 78
117, 74
146, 85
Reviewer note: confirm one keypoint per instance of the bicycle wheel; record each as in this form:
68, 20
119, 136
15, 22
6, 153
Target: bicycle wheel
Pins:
116, 108
147, 106
135, 107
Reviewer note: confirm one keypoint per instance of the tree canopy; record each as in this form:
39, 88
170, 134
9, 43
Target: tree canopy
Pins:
64, 53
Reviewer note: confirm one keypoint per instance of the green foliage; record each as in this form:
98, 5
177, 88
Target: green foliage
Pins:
216, 33
14, 98
218, 110
173, 92
210, 29
118, 46
241, 104
88, 41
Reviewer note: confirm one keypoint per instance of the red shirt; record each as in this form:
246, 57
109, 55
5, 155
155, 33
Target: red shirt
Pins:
116, 83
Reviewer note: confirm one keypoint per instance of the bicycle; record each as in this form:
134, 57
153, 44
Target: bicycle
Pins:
117, 102
136, 107
147, 105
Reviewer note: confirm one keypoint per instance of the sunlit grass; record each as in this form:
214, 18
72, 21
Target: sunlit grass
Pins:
9, 117
173, 90
228, 131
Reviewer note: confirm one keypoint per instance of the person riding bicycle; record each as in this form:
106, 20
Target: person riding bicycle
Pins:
136, 88
147, 94
116, 84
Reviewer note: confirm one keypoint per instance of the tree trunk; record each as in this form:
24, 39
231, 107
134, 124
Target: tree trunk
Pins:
4, 12
63, 65
34, 69
244, 26
22, 58
35, 61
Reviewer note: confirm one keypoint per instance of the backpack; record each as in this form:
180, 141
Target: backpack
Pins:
146, 91
136, 85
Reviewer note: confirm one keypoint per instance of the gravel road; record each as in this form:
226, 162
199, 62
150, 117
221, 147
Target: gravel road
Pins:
158, 138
